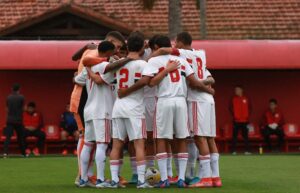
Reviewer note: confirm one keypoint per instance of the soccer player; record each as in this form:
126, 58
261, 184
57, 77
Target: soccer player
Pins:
89, 53
97, 115
201, 114
128, 114
171, 112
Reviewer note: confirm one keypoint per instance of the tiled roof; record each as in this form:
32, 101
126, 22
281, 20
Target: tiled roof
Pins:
231, 19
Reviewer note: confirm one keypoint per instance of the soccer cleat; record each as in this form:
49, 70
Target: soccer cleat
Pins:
234, 153
36, 152
93, 179
101, 184
163, 184
114, 184
83, 184
64, 152
123, 180
193, 181
203, 183
173, 180
134, 179
181, 183
143, 185
217, 182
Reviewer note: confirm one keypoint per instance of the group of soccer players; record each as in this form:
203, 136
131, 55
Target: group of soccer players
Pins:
157, 98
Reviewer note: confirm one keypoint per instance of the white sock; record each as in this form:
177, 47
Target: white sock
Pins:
92, 162
120, 167
100, 160
204, 166
214, 164
141, 169
191, 164
169, 165
182, 162
80, 140
162, 165
175, 158
150, 161
133, 165
114, 170
85, 160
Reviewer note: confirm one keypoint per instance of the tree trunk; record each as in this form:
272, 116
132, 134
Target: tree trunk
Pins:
174, 18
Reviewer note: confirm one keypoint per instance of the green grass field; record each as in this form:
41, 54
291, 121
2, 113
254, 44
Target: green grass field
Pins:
243, 174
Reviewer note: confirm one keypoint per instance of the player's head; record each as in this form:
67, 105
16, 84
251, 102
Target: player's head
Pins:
106, 48
16, 87
163, 41
272, 104
31, 107
135, 43
123, 51
151, 42
238, 90
183, 39
116, 38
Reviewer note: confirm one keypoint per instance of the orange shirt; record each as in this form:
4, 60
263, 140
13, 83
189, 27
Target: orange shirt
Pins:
32, 120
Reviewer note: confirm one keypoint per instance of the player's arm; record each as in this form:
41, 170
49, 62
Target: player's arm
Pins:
199, 85
165, 51
209, 81
171, 66
94, 77
138, 85
80, 79
78, 54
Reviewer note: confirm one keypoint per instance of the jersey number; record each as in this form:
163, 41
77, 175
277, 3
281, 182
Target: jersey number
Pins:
175, 76
125, 74
199, 66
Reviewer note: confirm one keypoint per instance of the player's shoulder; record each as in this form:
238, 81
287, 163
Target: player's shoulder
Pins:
99, 66
199, 52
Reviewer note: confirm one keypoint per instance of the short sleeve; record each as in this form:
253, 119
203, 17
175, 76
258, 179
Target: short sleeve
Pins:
207, 73
150, 69
188, 69
101, 67
81, 77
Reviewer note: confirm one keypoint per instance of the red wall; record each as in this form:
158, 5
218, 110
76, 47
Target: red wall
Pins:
51, 91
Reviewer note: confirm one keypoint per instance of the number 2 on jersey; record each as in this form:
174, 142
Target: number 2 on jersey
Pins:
125, 75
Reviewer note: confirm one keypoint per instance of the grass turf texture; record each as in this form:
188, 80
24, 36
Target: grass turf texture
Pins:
242, 174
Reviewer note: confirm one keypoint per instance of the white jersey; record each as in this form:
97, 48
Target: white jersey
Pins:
174, 84
99, 102
131, 105
197, 60
149, 92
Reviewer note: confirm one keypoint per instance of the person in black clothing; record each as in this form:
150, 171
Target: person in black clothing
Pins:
14, 104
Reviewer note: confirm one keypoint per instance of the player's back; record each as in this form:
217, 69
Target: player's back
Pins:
99, 103
131, 105
174, 84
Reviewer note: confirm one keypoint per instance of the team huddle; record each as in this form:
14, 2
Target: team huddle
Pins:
155, 97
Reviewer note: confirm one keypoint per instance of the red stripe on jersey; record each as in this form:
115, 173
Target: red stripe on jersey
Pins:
161, 69
138, 75
190, 61
175, 52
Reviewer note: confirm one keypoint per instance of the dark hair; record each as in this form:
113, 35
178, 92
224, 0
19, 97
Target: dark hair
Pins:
116, 35
105, 46
124, 48
272, 100
16, 87
138, 33
31, 104
163, 41
185, 38
152, 40
135, 43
